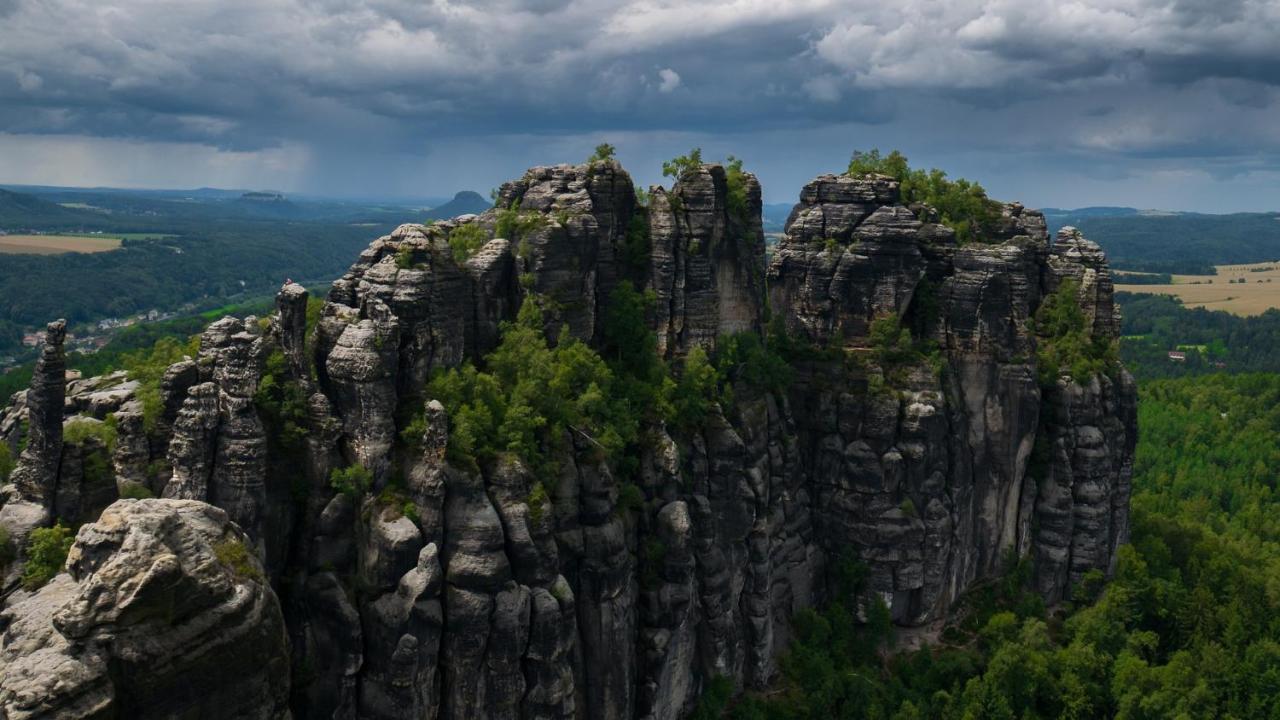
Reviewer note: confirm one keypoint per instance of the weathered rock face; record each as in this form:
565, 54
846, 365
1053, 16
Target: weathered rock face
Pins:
928, 477
28, 500
707, 259
447, 592
157, 617
36, 475
218, 449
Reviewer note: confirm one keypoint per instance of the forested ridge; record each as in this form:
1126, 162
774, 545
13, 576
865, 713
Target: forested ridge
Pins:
1187, 243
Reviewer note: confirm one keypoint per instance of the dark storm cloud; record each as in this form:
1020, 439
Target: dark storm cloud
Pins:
1096, 79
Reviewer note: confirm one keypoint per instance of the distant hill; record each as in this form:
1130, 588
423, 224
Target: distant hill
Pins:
464, 203
263, 197
20, 211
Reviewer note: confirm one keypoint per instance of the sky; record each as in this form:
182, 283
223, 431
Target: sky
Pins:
1169, 104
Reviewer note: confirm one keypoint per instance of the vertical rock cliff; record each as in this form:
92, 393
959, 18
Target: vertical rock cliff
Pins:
927, 432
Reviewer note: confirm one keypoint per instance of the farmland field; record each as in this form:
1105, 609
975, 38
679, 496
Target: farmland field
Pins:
56, 244
1259, 291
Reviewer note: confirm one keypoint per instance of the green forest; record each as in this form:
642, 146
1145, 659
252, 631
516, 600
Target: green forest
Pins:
1213, 341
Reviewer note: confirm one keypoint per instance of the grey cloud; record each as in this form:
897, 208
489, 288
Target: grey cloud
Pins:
1099, 79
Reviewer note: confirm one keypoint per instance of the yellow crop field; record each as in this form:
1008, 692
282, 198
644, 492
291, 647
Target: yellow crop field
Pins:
56, 244
1259, 291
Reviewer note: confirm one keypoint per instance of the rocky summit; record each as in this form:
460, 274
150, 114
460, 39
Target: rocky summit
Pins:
310, 545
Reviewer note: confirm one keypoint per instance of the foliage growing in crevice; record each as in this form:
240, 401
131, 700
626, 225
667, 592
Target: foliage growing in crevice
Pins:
7, 462
7, 552
406, 256
81, 430
97, 440
393, 497
696, 390
135, 491
895, 351
282, 404
630, 498
537, 502
637, 247
653, 553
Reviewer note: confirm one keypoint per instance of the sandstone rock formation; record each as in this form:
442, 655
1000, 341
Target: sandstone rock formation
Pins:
29, 496
162, 613
440, 591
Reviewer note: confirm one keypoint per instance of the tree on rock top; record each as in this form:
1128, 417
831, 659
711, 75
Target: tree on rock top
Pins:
962, 205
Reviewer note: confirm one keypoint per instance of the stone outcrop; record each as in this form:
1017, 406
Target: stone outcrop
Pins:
706, 265
439, 591
162, 612
218, 449
36, 474
28, 498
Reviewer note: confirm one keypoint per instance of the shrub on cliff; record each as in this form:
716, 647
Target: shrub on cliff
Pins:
514, 224
7, 553
682, 165
736, 197
465, 240
6, 462
282, 404
603, 152
353, 481
148, 366
47, 550
530, 395
1065, 343
962, 205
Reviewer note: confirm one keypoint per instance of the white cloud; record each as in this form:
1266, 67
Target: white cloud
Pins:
668, 80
